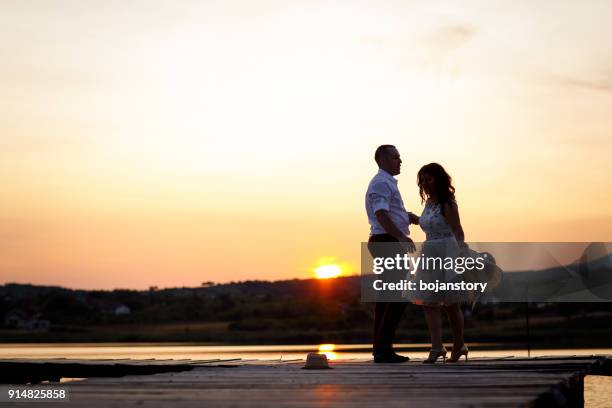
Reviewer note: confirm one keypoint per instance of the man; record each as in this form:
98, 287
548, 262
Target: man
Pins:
389, 222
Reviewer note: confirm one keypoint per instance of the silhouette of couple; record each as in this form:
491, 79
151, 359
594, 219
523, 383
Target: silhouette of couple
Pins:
389, 222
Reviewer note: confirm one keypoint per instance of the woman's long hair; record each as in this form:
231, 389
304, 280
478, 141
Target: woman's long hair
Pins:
444, 190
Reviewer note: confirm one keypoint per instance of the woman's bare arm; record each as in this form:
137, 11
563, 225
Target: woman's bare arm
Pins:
451, 213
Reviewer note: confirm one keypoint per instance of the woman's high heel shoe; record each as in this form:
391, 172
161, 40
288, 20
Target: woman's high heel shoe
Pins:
456, 354
434, 354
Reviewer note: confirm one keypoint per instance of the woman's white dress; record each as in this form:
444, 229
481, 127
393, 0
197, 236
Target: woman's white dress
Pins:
440, 242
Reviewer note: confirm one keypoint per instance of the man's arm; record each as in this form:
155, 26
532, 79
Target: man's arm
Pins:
380, 195
385, 221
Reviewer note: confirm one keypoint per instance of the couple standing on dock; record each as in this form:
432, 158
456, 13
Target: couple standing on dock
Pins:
389, 221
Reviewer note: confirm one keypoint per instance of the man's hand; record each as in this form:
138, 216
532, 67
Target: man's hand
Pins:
408, 243
413, 218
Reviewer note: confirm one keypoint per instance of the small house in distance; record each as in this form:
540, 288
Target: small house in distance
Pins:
122, 310
19, 319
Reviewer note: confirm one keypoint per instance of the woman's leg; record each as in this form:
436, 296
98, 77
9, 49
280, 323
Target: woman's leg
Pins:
455, 318
434, 322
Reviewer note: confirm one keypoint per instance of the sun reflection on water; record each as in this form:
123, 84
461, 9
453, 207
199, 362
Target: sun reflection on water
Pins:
328, 350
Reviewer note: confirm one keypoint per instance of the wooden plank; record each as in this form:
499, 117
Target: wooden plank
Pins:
478, 383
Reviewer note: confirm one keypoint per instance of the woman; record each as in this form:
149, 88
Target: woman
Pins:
444, 238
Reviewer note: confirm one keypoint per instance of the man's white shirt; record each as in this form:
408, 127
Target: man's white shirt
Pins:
383, 194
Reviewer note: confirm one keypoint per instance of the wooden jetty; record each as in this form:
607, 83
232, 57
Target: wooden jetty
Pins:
479, 382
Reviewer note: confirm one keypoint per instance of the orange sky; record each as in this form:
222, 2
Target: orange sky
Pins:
153, 144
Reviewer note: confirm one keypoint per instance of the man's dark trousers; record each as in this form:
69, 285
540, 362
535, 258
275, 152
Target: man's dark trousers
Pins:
387, 315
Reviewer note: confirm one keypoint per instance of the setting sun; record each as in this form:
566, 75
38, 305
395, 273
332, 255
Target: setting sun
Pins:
328, 271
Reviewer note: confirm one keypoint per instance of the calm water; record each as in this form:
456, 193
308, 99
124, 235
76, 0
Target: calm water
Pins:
285, 352
598, 390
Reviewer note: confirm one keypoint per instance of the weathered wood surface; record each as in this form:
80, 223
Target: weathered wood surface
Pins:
498, 383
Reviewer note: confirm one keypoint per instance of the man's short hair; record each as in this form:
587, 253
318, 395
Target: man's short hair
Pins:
381, 151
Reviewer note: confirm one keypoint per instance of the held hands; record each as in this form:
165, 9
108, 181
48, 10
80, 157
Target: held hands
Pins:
413, 218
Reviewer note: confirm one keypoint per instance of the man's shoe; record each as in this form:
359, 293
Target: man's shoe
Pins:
389, 357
